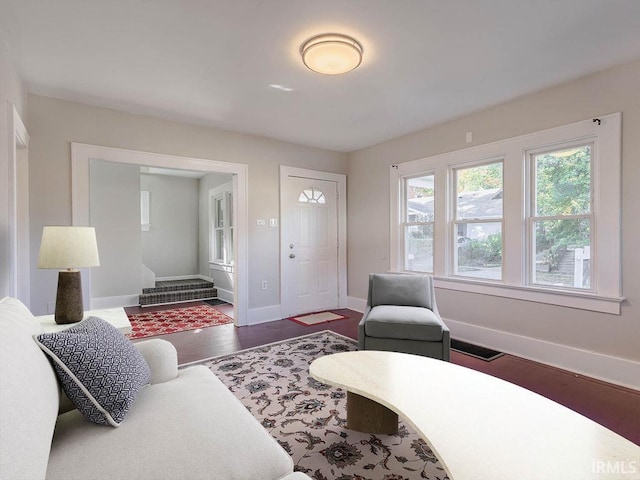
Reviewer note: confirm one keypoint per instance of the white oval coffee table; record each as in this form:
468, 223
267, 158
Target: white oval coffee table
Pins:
481, 427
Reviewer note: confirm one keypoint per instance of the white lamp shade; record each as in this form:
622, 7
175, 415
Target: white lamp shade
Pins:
68, 247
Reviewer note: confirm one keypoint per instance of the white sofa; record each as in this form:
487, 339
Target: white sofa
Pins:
185, 425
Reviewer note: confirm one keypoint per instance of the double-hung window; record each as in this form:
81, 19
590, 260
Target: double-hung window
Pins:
418, 223
221, 226
477, 239
535, 217
561, 217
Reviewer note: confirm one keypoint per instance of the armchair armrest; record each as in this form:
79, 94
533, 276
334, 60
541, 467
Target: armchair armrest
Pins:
446, 343
162, 358
361, 332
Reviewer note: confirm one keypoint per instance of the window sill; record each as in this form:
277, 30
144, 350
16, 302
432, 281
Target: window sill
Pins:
221, 266
583, 301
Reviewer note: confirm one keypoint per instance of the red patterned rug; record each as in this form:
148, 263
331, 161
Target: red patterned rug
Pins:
161, 322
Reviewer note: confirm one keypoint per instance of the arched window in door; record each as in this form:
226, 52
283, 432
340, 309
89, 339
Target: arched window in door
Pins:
312, 195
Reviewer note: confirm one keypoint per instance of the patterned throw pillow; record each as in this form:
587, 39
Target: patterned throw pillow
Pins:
101, 371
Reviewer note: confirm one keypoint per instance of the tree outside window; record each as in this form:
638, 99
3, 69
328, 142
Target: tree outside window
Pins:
561, 217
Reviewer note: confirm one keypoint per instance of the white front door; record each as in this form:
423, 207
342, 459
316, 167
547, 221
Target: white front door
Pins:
309, 245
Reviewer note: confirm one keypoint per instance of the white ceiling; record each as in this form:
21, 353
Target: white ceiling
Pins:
210, 62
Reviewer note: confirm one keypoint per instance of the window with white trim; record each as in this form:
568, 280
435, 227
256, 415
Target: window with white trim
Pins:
535, 217
561, 218
220, 226
477, 224
418, 217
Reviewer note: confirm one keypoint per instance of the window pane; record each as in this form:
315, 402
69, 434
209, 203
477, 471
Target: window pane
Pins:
419, 248
230, 259
563, 256
419, 191
563, 182
479, 192
479, 248
219, 245
230, 209
219, 213
312, 195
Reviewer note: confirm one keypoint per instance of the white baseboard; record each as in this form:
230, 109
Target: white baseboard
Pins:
264, 314
114, 302
357, 304
225, 295
610, 369
596, 365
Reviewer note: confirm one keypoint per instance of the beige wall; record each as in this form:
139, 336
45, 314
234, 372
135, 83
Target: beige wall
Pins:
11, 91
368, 186
54, 124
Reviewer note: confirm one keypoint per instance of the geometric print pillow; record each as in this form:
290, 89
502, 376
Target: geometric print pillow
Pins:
99, 368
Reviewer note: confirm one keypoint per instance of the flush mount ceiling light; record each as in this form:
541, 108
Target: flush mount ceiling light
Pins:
331, 53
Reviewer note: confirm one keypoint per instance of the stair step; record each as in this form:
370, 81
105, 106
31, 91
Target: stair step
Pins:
177, 296
176, 285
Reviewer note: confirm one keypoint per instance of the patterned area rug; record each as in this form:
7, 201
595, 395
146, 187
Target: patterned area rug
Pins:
308, 418
149, 324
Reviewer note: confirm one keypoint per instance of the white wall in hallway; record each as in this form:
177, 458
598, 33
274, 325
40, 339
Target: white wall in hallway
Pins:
170, 246
114, 192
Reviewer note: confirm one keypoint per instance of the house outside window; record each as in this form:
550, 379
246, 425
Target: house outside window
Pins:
477, 239
418, 223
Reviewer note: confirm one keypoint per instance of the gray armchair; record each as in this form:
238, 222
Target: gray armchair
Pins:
401, 316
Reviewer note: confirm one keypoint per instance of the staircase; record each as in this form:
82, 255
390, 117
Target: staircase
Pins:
173, 291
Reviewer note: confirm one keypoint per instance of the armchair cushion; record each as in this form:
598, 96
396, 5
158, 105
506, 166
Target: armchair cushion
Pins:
402, 322
99, 368
406, 290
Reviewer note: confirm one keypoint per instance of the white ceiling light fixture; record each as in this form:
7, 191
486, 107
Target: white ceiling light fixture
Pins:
331, 53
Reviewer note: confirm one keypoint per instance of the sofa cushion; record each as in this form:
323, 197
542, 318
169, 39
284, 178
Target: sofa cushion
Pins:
28, 395
99, 368
191, 427
402, 322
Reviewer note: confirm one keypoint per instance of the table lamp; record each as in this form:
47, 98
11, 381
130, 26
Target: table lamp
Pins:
68, 248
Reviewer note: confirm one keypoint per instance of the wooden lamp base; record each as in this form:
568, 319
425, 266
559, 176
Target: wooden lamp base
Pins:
69, 307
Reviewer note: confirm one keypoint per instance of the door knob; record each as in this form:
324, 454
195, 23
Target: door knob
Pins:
292, 255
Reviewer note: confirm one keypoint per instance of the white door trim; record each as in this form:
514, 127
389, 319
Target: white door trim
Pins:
82, 153
19, 269
341, 181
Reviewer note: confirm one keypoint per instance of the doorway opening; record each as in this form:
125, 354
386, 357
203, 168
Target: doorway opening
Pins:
84, 155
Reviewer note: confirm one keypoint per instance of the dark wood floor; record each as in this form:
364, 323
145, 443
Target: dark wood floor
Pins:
615, 407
